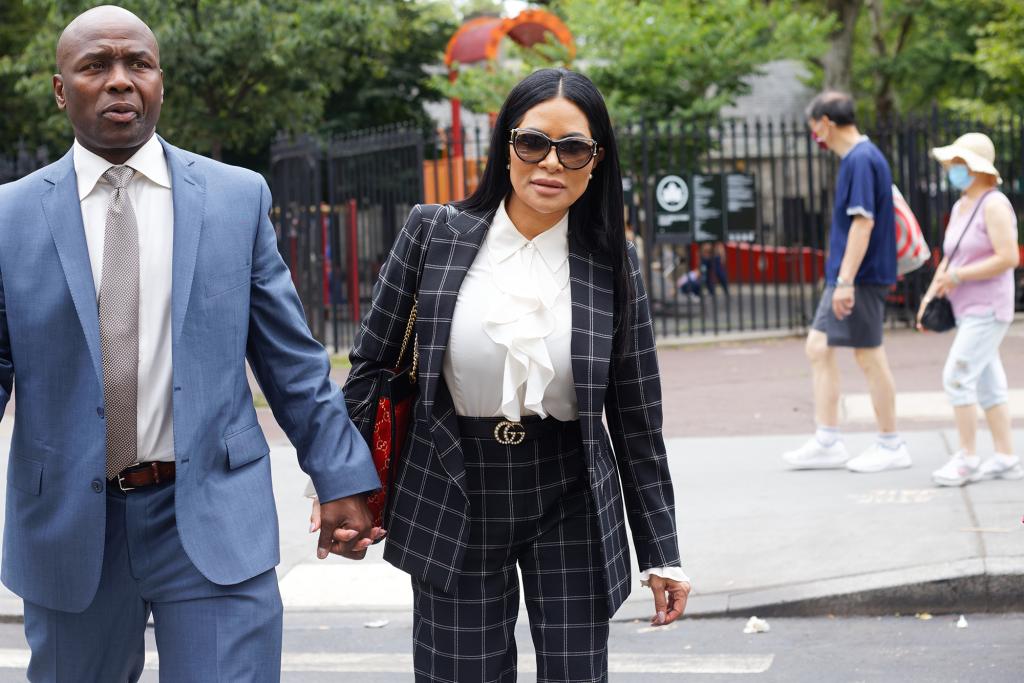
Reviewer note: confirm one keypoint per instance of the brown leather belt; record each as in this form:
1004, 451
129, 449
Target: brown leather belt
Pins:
144, 474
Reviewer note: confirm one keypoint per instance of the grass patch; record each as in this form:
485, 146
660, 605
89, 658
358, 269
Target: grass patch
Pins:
340, 362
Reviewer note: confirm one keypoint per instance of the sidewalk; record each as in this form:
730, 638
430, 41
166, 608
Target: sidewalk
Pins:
757, 539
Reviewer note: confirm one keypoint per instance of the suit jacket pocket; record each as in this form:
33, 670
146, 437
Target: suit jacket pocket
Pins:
246, 446
225, 282
25, 475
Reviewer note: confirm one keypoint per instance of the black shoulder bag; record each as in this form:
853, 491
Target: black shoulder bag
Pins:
938, 313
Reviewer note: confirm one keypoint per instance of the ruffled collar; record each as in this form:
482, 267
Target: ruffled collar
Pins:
504, 240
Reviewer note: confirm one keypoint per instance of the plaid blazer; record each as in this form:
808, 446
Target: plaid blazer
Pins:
428, 525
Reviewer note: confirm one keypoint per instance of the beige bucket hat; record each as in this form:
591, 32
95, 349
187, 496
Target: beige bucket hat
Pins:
977, 151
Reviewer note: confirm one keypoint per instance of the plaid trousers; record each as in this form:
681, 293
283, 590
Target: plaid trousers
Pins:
529, 505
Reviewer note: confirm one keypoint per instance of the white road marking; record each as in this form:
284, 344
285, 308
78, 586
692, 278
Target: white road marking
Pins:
893, 496
392, 662
350, 586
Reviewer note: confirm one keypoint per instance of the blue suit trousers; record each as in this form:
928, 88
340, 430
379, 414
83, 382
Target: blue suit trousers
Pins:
204, 631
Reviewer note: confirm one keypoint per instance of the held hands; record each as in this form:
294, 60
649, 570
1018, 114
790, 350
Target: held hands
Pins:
843, 302
346, 527
669, 599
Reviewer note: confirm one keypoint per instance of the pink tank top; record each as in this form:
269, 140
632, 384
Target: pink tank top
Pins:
978, 297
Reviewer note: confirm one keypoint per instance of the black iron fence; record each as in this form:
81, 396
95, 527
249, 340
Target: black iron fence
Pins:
21, 161
731, 216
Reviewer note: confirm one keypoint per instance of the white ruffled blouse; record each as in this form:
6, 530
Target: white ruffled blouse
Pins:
512, 327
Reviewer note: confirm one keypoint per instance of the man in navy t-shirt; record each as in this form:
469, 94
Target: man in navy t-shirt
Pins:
860, 270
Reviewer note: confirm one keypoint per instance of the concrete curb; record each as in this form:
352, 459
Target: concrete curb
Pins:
995, 585
988, 586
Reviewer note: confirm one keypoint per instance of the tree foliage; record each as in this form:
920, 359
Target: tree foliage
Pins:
238, 71
659, 59
483, 87
656, 59
908, 56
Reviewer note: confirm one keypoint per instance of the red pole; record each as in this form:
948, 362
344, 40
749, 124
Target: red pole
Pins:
353, 260
456, 120
326, 253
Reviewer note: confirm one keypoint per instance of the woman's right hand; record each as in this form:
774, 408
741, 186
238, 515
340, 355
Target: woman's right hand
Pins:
920, 313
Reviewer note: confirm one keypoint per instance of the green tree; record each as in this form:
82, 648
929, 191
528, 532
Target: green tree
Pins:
658, 59
998, 58
17, 22
238, 71
395, 84
909, 55
483, 87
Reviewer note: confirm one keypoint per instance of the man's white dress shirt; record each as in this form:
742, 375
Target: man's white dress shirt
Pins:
150, 194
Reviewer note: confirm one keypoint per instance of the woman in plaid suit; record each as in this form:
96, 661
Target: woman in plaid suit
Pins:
532, 323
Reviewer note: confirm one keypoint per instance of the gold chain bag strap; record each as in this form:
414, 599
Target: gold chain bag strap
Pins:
396, 397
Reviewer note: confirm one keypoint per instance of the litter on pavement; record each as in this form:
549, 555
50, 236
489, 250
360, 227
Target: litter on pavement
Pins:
755, 625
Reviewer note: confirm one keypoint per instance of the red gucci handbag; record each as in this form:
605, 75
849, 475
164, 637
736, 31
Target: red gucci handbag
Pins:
395, 399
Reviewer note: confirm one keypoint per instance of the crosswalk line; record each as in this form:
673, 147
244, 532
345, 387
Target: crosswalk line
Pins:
401, 663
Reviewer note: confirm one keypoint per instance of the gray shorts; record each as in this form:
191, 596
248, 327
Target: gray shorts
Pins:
862, 329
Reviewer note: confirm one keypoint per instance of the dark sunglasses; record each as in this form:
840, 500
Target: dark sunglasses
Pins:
532, 147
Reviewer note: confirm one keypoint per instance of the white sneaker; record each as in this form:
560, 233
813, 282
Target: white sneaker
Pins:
956, 472
878, 458
814, 455
997, 468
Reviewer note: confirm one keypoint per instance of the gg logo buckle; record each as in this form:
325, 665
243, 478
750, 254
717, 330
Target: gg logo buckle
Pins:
509, 433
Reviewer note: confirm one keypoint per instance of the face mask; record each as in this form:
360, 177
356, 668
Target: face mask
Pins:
959, 177
821, 143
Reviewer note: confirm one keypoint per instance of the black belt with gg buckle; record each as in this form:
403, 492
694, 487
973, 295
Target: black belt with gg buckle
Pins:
509, 432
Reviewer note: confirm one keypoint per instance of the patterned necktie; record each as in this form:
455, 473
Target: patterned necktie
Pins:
119, 323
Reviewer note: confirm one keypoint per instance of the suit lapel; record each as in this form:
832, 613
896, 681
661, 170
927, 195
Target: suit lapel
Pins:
453, 248
63, 212
188, 188
591, 285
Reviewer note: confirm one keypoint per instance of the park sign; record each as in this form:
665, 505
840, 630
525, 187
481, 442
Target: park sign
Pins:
711, 207
672, 210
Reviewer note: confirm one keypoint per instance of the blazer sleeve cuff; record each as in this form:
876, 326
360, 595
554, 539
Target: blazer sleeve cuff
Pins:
331, 486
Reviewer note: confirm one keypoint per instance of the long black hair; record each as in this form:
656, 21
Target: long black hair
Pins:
596, 218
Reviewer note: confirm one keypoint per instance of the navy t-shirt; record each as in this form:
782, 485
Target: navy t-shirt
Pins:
864, 188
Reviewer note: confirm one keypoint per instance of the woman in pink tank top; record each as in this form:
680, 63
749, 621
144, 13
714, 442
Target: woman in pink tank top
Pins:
977, 278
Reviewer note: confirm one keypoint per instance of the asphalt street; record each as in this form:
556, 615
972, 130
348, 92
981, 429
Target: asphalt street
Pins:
320, 647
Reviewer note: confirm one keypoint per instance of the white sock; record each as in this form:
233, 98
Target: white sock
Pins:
892, 440
827, 436
972, 460
1005, 459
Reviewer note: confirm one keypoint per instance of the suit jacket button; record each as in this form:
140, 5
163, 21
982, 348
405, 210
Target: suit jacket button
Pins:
97, 486
100, 412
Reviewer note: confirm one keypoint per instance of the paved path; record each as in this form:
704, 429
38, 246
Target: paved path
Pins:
754, 536
322, 647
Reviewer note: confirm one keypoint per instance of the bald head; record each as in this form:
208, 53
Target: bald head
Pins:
109, 81
103, 22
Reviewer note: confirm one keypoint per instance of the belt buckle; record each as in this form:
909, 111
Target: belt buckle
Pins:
509, 433
120, 479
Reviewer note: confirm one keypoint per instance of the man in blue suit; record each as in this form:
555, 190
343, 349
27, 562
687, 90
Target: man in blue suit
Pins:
135, 281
